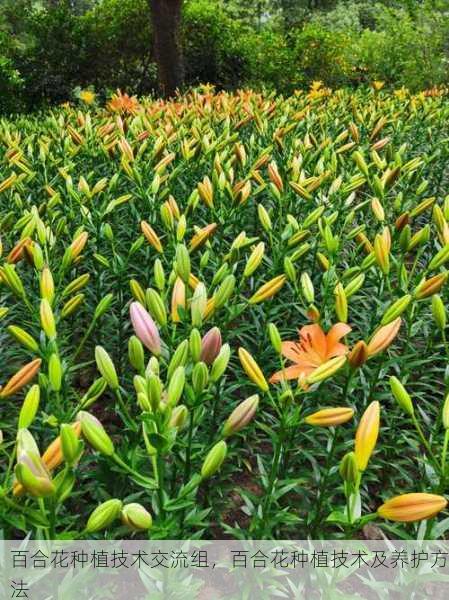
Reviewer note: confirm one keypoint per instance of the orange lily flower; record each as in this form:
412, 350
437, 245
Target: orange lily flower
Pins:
312, 350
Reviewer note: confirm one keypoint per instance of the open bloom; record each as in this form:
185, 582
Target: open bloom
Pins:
313, 349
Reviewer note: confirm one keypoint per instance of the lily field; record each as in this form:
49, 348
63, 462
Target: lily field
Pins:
225, 316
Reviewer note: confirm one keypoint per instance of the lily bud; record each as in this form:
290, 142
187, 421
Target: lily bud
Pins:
214, 460
178, 299
358, 355
93, 393
154, 387
254, 260
179, 416
241, 416
176, 386
195, 345
104, 515
151, 236
268, 290
21, 378
412, 507
431, 286
33, 476
341, 303
366, 435
23, 338
145, 328
198, 304
179, 358
307, 288
159, 275
330, 417
402, 396
275, 337
200, 376
55, 372
252, 369
136, 354
30, 407
210, 345
70, 444
220, 363
183, 263
136, 517
326, 370
156, 307
47, 286
396, 309
348, 468
47, 319
439, 312
95, 433
225, 291
383, 337
445, 414
106, 367
382, 253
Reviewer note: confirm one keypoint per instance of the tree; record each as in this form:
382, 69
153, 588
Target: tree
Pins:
166, 23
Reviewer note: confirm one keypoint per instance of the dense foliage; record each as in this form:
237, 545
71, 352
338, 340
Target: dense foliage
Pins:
158, 259
50, 49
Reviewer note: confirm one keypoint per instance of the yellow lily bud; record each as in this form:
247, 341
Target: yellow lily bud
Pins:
268, 290
412, 507
329, 417
252, 369
366, 435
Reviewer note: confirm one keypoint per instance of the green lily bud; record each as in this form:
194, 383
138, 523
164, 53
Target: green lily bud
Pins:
176, 386
93, 393
396, 309
136, 353
307, 288
220, 363
156, 307
95, 433
30, 407
214, 459
104, 515
348, 468
275, 337
106, 367
198, 304
200, 377
439, 312
103, 306
23, 338
55, 372
70, 444
159, 275
401, 395
152, 367
179, 416
225, 291
195, 345
183, 262
136, 517
179, 358
143, 402
154, 391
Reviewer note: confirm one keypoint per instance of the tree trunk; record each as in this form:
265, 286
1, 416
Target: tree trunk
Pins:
166, 21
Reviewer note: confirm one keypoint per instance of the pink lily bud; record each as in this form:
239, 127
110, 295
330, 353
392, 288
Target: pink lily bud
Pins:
210, 345
145, 328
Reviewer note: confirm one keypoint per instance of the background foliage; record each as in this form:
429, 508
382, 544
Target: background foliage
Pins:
49, 48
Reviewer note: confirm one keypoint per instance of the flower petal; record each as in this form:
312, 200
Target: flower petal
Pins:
334, 335
291, 373
315, 337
